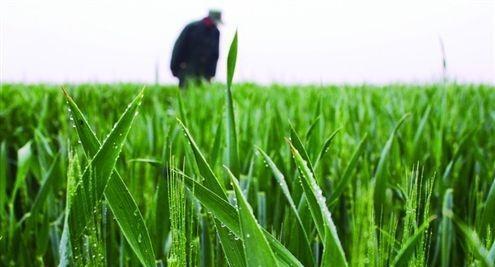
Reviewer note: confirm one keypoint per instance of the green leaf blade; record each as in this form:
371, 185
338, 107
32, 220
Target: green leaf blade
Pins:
231, 135
119, 199
256, 248
305, 245
227, 215
333, 252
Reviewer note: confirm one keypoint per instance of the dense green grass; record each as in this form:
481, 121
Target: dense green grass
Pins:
422, 194
247, 176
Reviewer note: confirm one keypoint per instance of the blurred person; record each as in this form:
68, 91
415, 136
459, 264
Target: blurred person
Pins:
195, 53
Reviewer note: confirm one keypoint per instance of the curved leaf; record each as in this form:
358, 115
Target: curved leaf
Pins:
333, 253
305, 245
121, 202
256, 248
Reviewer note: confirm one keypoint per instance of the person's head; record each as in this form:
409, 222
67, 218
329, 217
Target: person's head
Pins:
216, 16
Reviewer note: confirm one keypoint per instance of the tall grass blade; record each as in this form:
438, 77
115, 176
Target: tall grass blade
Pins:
256, 248
231, 136
305, 246
232, 248
211, 181
333, 252
121, 202
222, 209
447, 232
231, 61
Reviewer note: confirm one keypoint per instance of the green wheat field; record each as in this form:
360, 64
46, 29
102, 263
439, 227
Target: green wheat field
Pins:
247, 175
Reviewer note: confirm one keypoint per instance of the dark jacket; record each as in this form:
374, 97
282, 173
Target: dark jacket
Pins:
196, 50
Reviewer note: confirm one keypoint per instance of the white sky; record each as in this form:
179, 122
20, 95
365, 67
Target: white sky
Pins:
286, 41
